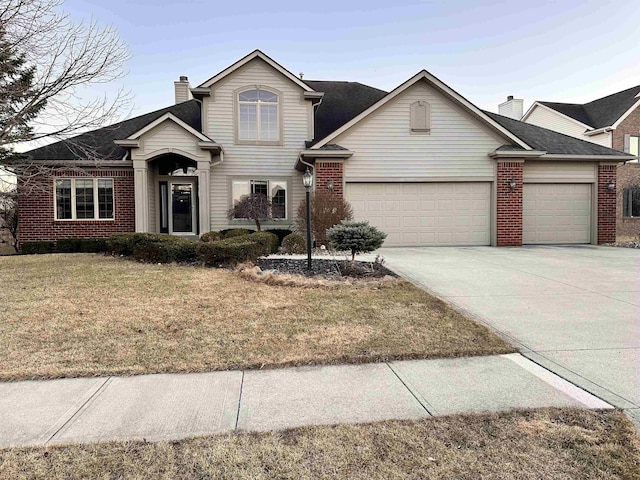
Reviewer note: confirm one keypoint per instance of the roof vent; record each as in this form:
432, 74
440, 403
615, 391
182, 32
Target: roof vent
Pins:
184, 78
509, 98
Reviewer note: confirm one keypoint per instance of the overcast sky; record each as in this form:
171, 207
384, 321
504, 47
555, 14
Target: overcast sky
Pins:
565, 50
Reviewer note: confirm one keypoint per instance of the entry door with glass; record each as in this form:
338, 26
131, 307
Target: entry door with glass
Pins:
178, 207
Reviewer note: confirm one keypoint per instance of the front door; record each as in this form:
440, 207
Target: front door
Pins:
178, 207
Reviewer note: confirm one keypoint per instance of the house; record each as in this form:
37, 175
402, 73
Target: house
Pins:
421, 162
612, 121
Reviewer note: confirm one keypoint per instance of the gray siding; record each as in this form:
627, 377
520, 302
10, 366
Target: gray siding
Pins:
456, 146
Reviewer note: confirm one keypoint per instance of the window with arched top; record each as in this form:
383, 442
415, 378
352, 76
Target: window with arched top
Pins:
420, 117
258, 116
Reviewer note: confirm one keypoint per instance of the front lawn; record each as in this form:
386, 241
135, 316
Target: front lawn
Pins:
82, 314
547, 444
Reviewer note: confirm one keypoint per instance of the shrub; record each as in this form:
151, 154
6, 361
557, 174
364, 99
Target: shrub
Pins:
68, 245
30, 248
235, 232
294, 243
356, 237
82, 245
211, 237
152, 247
327, 210
229, 251
267, 239
280, 232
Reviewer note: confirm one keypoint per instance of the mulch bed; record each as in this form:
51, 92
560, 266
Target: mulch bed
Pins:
325, 268
625, 244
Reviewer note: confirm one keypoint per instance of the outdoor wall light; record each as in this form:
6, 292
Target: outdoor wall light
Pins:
611, 186
512, 184
330, 185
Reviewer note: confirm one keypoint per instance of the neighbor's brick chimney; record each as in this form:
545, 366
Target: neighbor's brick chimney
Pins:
182, 90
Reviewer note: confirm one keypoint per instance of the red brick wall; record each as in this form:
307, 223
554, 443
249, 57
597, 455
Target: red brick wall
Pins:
326, 171
37, 219
629, 126
606, 204
509, 208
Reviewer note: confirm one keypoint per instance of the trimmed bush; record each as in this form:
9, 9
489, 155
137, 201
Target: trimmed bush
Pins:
230, 251
236, 232
294, 243
211, 237
356, 237
281, 233
81, 245
267, 239
31, 248
152, 247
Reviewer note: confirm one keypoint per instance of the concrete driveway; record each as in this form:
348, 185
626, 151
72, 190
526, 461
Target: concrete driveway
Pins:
574, 310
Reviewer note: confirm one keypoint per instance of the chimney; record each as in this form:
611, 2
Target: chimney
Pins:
512, 108
182, 90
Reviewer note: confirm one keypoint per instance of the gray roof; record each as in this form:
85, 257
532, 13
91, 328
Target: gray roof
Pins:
100, 142
547, 140
342, 102
599, 113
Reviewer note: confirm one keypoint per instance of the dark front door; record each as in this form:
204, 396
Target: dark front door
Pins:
182, 207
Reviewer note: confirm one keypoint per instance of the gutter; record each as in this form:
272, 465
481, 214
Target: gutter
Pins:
589, 133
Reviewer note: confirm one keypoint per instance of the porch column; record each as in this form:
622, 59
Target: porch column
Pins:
204, 195
141, 187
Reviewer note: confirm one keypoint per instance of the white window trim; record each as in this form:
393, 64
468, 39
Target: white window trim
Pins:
283, 180
96, 207
236, 115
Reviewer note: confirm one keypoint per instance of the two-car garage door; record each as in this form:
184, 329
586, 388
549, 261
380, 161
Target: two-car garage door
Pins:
414, 214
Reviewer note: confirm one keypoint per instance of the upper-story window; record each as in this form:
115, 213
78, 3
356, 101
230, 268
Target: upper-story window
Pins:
633, 145
258, 116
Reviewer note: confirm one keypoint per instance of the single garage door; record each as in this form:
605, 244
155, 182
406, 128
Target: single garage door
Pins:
413, 214
556, 213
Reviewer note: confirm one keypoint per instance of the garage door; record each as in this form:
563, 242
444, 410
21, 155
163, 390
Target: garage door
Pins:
556, 213
413, 214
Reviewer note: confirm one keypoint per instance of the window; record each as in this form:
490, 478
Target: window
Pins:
275, 190
631, 202
420, 117
632, 144
258, 115
84, 199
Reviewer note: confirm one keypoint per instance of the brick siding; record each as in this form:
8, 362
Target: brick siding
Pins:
326, 171
629, 126
627, 176
509, 208
36, 211
606, 204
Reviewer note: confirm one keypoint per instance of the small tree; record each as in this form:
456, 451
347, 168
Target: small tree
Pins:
327, 210
9, 217
255, 206
356, 237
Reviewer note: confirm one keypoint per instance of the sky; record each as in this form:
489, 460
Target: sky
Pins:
565, 50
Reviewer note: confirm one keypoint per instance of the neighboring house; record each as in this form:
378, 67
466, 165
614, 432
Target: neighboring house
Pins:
421, 162
612, 121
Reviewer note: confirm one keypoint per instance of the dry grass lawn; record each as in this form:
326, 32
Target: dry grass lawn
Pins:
82, 315
551, 444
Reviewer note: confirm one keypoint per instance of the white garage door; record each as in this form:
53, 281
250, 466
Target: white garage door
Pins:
556, 213
414, 214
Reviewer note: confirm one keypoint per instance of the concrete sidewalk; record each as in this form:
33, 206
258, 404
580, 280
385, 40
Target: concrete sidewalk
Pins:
176, 406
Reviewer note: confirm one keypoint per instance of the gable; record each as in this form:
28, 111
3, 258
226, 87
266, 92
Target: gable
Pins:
546, 117
168, 135
456, 143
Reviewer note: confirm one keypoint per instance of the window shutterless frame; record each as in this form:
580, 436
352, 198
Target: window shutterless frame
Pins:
245, 185
244, 97
631, 202
96, 204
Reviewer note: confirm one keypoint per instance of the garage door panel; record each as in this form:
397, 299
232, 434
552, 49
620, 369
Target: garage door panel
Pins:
556, 213
425, 213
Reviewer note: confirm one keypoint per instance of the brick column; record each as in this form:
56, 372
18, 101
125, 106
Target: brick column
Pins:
509, 208
606, 204
329, 172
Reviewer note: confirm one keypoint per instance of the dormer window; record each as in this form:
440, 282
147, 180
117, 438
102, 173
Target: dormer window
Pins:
258, 116
420, 117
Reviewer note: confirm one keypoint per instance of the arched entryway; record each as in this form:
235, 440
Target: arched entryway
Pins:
175, 185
